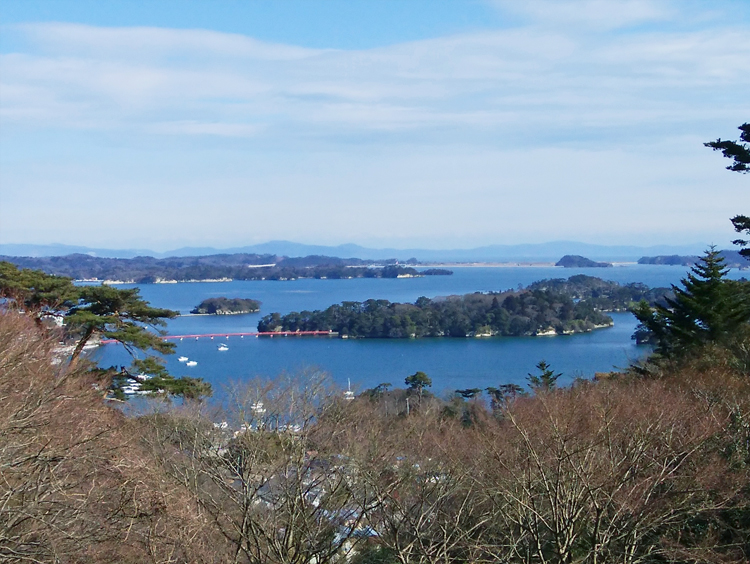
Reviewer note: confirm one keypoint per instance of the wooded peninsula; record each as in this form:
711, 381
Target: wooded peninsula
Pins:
241, 266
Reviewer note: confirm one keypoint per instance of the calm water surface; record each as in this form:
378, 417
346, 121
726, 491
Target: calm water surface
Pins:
451, 363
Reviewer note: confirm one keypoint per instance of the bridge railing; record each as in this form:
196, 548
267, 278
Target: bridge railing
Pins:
252, 334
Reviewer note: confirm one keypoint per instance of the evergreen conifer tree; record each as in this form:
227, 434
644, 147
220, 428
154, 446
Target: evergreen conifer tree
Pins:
739, 152
417, 382
88, 312
546, 381
707, 309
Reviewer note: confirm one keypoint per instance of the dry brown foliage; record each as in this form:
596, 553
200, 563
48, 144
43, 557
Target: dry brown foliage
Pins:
265, 472
627, 470
624, 470
73, 486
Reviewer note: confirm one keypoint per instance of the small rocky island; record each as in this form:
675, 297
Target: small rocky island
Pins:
227, 306
577, 261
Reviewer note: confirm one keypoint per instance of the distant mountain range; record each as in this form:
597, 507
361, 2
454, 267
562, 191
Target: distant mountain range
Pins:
539, 252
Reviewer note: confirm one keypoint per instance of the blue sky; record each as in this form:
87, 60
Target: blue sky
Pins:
402, 123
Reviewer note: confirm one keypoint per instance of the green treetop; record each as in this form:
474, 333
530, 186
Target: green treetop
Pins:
101, 311
738, 152
504, 395
417, 382
740, 155
36, 293
469, 393
117, 314
546, 380
706, 309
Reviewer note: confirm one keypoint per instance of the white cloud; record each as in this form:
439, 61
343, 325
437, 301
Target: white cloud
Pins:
149, 42
83, 76
467, 136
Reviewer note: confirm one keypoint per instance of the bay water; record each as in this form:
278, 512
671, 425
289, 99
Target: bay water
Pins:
451, 363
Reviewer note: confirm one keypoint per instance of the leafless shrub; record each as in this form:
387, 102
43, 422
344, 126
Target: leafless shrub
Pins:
72, 487
624, 470
266, 475
606, 472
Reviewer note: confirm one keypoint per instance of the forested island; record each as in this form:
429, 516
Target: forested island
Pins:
732, 259
226, 306
548, 307
241, 266
577, 261
604, 295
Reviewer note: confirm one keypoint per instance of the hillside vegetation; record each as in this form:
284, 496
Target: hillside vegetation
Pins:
621, 470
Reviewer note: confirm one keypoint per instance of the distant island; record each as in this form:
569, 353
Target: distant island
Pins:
148, 270
548, 307
226, 306
732, 259
577, 261
436, 272
522, 253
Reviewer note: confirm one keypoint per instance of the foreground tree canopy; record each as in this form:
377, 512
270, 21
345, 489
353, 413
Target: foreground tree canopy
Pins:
707, 309
87, 313
739, 152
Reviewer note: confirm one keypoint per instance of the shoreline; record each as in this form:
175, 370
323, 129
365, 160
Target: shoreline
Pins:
218, 314
476, 264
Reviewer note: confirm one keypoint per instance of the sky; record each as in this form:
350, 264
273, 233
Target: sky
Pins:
399, 123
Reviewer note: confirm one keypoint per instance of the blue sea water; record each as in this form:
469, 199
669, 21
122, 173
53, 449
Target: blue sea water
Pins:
451, 363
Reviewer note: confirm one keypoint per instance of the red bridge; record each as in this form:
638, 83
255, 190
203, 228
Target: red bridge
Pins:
255, 334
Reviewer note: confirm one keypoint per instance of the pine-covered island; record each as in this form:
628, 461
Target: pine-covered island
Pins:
548, 307
226, 306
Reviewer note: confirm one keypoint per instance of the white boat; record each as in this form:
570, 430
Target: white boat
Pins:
223, 347
348, 394
183, 359
191, 363
131, 389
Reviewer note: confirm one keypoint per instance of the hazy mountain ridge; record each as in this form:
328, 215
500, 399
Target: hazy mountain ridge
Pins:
531, 252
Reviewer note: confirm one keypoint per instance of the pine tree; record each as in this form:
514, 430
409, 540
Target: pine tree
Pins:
546, 381
417, 382
735, 150
503, 395
707, 309
88, 312
740, 154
